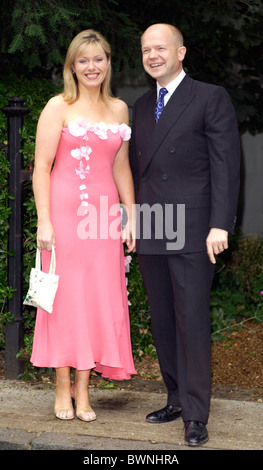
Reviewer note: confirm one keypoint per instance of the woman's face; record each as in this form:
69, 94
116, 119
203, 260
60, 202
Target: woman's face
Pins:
91, 66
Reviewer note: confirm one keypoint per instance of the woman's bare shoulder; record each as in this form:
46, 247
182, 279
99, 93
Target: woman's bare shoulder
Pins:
120, 104
55, 108
56, 101
120, 109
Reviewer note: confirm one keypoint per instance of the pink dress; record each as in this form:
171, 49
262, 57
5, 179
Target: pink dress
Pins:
89, 327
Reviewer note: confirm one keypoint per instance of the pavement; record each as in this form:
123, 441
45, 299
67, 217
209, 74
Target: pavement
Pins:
27, 422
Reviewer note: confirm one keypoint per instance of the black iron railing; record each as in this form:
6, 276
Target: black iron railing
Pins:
14, 333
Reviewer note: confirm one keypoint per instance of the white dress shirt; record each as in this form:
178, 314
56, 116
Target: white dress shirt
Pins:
171, 87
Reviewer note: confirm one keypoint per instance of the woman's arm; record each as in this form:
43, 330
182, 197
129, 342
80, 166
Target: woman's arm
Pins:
47, 139
124, 183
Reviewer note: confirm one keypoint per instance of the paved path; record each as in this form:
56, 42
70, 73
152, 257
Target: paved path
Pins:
27, 422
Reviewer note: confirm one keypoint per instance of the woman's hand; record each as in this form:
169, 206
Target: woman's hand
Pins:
128, 236
45, 236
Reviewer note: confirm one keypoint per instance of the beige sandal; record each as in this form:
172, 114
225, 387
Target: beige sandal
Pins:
84, 413
83, 409
61, 412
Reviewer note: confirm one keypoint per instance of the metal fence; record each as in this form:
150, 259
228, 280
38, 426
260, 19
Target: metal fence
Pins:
14, 333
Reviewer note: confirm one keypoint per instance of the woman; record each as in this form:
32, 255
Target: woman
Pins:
82, 136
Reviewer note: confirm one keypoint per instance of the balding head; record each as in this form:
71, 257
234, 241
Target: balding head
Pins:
159, 27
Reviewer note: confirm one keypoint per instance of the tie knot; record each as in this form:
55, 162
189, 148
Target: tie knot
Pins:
162, 92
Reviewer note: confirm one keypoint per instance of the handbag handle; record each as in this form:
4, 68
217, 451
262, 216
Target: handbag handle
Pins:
52, 267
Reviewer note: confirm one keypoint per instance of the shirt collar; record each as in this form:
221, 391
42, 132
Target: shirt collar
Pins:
171, 87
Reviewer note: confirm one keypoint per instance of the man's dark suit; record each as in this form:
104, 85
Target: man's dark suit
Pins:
190, 157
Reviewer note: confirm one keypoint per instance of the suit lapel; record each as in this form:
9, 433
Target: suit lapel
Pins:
176, 105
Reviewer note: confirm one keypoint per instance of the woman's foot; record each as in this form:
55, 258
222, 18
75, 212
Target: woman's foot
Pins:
80, 394
63, 403
85, 413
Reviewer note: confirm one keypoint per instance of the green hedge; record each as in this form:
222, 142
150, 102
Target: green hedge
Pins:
35, 93
237, 294
238, 280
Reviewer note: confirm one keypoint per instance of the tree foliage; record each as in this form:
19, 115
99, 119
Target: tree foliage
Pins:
224, 46
223, 37
36, 34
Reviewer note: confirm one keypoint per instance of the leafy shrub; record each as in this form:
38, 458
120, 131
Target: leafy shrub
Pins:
35, 93
141, 333
236, 295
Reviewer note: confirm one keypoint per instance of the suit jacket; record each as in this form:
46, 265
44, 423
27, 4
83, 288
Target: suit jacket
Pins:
185, 167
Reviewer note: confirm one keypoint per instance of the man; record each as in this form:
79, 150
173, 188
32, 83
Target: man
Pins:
188, 159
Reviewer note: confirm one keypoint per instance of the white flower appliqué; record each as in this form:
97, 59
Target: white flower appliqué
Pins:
125, 131
76, 129
82, 153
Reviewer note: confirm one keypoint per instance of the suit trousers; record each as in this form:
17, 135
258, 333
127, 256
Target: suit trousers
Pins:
178, 288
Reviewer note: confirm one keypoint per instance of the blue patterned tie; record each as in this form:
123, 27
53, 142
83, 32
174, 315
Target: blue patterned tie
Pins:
160, 104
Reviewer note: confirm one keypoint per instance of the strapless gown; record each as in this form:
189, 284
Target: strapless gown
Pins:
89, 327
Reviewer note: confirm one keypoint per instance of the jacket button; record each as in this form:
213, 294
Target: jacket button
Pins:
164, 177
139, 154
172, 150
144, 178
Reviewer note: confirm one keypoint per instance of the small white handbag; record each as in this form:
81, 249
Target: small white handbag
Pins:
42, 286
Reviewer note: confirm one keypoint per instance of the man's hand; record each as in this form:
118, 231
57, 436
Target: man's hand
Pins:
216, 242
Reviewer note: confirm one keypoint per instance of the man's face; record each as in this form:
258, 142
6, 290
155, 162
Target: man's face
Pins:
162, 54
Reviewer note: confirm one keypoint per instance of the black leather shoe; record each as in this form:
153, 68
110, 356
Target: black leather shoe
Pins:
195, 433
166, 414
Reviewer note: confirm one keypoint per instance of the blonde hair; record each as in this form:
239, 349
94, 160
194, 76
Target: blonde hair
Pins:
78, 44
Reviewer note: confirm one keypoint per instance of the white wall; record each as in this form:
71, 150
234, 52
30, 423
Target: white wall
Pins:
251, 197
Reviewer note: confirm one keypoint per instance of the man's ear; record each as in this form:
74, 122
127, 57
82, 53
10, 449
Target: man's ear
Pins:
181, 53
